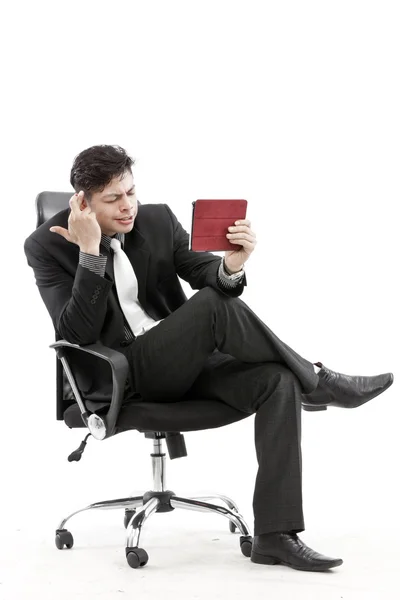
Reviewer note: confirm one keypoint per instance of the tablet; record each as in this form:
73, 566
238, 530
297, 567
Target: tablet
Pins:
210, 222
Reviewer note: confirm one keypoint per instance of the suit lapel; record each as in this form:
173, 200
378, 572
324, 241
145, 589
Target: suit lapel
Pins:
109, 263
138, 252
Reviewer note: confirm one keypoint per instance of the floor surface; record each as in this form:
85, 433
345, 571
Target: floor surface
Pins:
191, 556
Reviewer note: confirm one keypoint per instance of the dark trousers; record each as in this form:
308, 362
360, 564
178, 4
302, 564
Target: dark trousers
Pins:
215, 347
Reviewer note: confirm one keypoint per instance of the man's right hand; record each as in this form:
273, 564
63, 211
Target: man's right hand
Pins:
83, 228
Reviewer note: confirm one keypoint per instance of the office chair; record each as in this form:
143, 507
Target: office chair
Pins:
112, 412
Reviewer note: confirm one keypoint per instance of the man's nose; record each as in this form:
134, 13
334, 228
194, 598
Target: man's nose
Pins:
126, 202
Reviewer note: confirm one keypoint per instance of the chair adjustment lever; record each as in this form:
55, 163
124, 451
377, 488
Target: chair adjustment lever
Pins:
77, 454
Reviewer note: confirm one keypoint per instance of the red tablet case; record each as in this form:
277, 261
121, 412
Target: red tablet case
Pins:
210, 222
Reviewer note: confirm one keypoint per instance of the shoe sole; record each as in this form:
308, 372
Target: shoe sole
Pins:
261, 559
315, 407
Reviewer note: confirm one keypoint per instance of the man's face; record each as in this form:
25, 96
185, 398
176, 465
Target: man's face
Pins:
116, 201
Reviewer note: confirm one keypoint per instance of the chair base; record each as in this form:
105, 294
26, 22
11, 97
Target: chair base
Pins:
139, 507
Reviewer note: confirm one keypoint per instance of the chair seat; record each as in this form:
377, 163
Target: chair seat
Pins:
185, 415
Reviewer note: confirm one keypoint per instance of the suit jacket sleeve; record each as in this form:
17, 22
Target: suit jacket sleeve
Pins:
77, 305
199, 269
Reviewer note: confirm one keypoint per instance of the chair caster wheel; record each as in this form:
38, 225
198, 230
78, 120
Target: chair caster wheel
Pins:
246, 542
232, 527
64, 538
128, 516
136, 557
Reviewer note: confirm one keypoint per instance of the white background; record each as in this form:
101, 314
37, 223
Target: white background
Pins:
291, 105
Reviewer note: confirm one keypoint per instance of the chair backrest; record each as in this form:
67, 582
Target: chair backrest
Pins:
49, 204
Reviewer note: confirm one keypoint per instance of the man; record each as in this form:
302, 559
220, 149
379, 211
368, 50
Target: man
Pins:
107, 270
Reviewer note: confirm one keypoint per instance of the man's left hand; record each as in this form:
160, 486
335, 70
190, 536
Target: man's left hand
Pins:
241, 234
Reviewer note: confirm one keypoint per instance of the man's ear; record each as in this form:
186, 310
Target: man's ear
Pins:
85, 202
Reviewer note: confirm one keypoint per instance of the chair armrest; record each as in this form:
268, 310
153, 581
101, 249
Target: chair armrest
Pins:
104, 426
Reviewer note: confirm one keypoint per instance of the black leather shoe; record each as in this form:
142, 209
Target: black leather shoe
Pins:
344, 391
287, 549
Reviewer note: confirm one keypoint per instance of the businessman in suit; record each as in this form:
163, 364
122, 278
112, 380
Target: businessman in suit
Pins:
107, 269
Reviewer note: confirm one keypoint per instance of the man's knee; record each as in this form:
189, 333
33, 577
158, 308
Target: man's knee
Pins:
205, 302
287, 378
210, 295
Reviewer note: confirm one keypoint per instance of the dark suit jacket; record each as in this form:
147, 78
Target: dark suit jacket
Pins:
84, 306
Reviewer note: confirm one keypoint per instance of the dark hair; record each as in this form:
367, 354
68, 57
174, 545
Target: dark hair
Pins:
94, 168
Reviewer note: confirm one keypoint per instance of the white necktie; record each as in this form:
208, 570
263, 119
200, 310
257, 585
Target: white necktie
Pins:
127, 290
